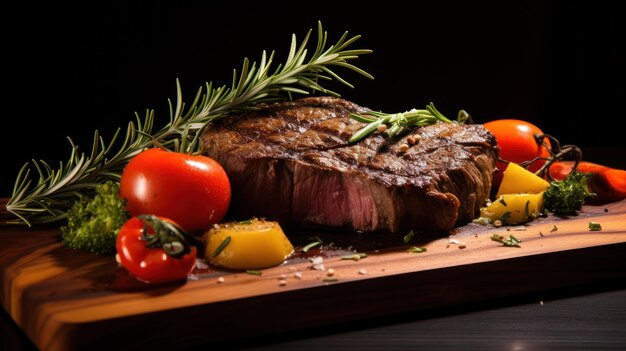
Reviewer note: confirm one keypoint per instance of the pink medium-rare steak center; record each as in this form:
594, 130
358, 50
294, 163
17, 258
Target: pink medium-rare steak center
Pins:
292, 162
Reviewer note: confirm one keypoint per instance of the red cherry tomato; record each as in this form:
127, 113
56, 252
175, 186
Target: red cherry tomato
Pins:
148, 264
517, 143
193, 191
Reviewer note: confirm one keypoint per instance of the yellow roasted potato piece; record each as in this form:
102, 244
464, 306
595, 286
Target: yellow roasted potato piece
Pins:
248, 244
517, 179
514, 208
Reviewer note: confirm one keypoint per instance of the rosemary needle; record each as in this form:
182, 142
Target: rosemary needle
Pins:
221, 246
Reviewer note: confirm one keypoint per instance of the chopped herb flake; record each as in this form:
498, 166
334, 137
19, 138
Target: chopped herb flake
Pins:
510, 242
594, 226
355, 257
409, 237
330, 280
247, 221
502, 201
311, 245
417, 249
253, 272
554, 229
221, 246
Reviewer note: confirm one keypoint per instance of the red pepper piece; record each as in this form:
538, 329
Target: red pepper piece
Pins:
609, 184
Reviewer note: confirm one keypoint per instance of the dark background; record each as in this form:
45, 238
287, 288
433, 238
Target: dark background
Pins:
73, 69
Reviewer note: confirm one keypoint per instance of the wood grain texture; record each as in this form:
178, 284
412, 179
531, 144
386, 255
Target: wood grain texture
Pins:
64, 299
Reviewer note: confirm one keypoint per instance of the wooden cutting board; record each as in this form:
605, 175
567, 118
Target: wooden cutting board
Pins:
65, 299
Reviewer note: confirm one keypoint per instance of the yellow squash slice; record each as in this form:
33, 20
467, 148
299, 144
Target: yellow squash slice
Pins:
514, 208
517, 179
248, 244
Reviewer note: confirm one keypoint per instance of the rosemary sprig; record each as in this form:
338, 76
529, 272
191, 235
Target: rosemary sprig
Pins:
396, 123
48, 198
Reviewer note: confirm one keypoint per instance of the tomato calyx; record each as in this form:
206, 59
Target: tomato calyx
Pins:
173, 239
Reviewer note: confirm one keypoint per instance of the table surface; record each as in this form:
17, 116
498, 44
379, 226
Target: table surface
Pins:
595, 320
590, 317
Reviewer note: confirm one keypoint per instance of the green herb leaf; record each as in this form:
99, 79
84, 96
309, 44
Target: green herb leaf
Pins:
309, 246
222, 245
416, 249
409, 237
502, 201
567, 196
510, 242
254, 272
94, 222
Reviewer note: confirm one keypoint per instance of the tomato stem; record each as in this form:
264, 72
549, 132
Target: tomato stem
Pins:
557, 153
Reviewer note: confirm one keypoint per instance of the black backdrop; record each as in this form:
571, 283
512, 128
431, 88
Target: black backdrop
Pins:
72, 69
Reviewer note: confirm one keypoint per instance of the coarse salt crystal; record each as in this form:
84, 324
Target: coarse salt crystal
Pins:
200, 264
318, 263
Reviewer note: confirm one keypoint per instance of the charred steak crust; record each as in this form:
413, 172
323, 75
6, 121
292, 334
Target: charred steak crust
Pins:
292, 162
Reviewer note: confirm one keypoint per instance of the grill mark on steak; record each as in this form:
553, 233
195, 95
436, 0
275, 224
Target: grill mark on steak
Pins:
292, 162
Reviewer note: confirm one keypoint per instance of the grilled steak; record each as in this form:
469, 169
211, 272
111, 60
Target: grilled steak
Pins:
292, 162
